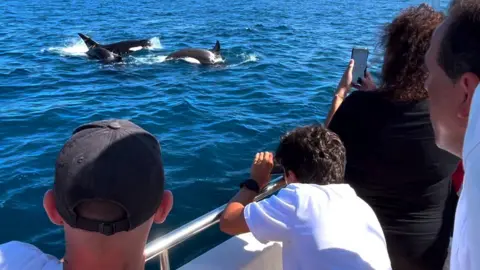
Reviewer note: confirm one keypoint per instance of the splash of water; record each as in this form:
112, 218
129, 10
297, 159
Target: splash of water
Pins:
156, 44
73, 48
247, 58
149, 59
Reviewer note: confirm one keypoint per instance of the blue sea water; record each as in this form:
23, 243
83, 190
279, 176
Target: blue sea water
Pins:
283, 60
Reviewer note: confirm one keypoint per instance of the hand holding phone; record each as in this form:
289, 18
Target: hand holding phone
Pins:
366, 83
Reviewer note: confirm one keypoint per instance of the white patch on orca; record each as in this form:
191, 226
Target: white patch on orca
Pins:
215, 59
218, 59
191, 60
134, 49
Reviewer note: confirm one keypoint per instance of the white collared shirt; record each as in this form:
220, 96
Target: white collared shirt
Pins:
321, 227
465, 253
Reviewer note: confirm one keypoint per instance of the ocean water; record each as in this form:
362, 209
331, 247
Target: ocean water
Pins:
283, 60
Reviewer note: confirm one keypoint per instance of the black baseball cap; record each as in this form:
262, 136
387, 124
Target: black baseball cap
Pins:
113, 161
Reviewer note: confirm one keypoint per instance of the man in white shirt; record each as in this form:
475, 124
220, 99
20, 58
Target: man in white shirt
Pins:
108, 191
320, 221
453, 63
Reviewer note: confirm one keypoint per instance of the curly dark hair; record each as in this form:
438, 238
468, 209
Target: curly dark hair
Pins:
314, 154
458, 52
406, 40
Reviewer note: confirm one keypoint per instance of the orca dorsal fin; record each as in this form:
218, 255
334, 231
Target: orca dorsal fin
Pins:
88, 41
216, 48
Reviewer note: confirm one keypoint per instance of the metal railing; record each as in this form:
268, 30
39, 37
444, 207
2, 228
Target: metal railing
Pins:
160, 246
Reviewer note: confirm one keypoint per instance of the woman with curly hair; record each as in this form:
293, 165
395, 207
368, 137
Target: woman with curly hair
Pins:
393, 162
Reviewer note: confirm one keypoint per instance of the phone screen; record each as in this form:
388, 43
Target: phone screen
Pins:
360, 56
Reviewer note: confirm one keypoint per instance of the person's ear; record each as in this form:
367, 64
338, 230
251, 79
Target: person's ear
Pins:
290, 177
164, 208
468, 83
51, 208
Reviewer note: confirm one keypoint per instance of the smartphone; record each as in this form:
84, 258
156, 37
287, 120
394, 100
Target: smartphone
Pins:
360, 56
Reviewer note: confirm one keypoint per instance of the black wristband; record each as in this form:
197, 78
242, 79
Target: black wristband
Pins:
251, 185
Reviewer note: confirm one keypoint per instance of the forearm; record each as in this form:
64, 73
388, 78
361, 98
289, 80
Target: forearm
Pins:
232, 220
338, 98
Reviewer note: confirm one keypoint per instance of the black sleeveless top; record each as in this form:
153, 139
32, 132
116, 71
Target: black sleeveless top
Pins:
394, 164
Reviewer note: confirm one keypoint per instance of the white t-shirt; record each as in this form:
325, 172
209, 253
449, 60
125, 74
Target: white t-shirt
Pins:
16, 255
321, 227
465, 252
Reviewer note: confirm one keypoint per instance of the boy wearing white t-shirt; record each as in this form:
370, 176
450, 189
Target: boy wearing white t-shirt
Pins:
320, 221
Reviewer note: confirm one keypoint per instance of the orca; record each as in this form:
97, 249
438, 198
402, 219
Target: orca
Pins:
113, 52
104, 55
202, 56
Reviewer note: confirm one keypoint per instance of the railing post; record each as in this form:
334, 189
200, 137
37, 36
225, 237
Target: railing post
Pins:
164, 261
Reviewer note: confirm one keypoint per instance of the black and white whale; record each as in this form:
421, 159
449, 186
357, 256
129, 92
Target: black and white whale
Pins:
113, 52
202, 56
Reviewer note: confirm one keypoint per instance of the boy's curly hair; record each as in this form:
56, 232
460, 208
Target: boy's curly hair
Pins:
314, 154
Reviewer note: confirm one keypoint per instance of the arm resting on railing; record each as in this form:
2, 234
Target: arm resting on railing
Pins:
232, 220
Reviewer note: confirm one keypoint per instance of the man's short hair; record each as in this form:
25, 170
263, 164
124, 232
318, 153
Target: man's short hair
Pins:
109, 177
459, 51
314, 154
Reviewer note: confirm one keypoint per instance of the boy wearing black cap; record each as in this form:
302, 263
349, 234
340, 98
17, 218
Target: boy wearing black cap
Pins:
108, 191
